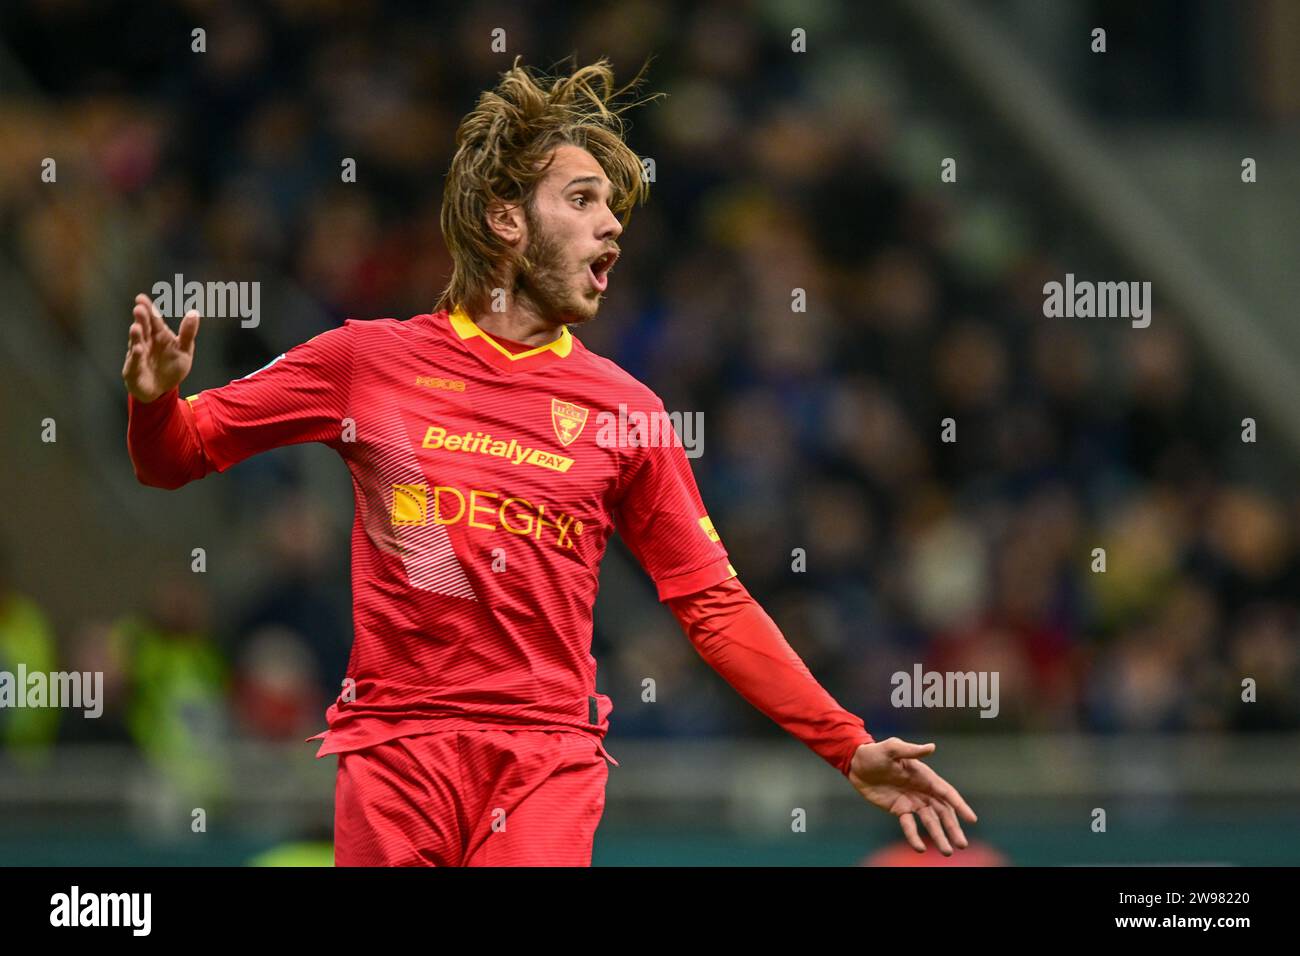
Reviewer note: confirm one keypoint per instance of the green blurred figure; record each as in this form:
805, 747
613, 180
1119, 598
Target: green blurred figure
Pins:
176, 710
26, 638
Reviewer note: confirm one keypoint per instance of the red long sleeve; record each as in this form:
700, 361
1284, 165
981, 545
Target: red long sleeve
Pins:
739, 640
163, 442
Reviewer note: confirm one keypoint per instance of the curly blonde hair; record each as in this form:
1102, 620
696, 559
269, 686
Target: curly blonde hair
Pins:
503, 149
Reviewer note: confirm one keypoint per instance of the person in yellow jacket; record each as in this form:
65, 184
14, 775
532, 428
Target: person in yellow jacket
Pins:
27, 639
176, 710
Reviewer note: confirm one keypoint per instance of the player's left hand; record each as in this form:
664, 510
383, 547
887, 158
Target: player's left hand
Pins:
889, 774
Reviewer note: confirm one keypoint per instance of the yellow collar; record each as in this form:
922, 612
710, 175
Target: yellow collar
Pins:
467, 328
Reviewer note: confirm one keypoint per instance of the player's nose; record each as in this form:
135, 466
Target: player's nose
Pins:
610, 227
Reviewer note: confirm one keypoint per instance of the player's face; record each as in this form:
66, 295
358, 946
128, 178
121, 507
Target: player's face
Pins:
572, 237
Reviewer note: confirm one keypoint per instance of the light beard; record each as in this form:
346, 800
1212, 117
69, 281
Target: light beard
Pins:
547, 286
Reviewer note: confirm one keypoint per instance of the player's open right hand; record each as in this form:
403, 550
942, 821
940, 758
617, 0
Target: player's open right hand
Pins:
157, 359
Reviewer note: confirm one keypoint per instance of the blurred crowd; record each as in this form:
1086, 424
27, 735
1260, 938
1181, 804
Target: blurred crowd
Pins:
873, 543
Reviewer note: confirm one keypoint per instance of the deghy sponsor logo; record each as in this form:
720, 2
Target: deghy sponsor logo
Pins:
418, 505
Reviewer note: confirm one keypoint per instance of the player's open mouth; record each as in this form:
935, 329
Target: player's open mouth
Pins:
600, 269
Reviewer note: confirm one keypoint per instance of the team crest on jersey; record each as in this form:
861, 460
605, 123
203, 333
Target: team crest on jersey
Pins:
568, 420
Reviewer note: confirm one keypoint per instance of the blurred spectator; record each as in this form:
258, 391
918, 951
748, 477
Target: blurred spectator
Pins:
178, 714
26, 643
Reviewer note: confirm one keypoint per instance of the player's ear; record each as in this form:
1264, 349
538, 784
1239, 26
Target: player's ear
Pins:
508, 222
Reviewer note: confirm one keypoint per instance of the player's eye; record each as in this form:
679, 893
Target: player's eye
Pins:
581, 199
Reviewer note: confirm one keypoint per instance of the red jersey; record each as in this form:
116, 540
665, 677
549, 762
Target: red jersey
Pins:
487, 484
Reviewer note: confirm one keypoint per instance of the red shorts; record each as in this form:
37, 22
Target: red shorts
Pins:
471, 798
